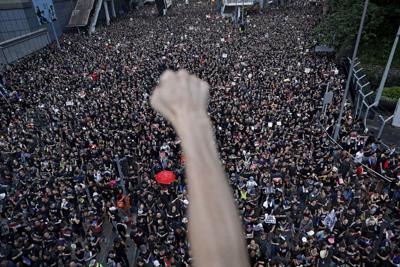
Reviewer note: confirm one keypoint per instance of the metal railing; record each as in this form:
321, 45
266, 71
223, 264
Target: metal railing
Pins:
360, 103
363, 91
368, 169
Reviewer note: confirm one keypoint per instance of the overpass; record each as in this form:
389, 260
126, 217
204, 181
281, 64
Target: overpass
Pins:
80, 14
234, 8
86, 9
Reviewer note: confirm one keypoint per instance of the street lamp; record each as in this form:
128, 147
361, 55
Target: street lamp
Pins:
339, 120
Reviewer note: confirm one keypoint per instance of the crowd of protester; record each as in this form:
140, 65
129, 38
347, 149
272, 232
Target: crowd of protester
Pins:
71, 112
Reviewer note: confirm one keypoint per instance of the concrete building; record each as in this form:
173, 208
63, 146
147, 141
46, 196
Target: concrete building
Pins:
21, 33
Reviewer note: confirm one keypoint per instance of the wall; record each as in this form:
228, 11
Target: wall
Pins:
17, 17
13, 24
2, 60
63, 10
20, 32
16, 48
14, 19
18, 22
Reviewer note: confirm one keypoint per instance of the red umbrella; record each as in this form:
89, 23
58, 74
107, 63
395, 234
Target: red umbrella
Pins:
165, 177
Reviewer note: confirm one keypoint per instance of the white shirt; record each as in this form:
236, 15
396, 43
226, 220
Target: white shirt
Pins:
251, 184
359, 157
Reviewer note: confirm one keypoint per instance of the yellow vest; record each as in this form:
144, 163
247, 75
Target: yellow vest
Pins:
243, 195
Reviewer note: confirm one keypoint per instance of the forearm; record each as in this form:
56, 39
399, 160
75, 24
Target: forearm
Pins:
214, 228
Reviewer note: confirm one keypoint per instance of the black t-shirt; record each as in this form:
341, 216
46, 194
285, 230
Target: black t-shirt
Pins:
180, 237
80, 255
48, 242
253, 259
139, 239
67, 250
120, 251
341, 255
324, 263
52, 261
313, 208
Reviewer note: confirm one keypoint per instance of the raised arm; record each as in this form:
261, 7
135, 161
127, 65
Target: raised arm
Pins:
214, 228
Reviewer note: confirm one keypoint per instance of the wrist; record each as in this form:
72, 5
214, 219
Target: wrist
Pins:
191, 121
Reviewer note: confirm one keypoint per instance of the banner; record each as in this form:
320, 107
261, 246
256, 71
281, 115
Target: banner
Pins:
330, 220
45, 11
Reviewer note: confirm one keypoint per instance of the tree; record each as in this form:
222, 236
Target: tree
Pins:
340, 26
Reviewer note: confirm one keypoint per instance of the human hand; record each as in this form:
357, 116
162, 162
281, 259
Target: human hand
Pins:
213, 233
179, 96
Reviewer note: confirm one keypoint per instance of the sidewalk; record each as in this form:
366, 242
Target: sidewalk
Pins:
390, 134
108, 243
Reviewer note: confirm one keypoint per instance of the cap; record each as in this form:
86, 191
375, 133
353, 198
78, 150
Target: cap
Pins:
323, 253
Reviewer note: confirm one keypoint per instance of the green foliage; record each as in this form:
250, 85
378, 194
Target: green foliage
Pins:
377, 53
392, 92
341, 24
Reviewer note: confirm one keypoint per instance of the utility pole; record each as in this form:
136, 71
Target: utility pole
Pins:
387, 68
242, 12
396, 115
383, 80
339, 120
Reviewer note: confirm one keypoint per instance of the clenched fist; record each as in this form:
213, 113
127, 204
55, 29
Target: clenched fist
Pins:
180, 95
